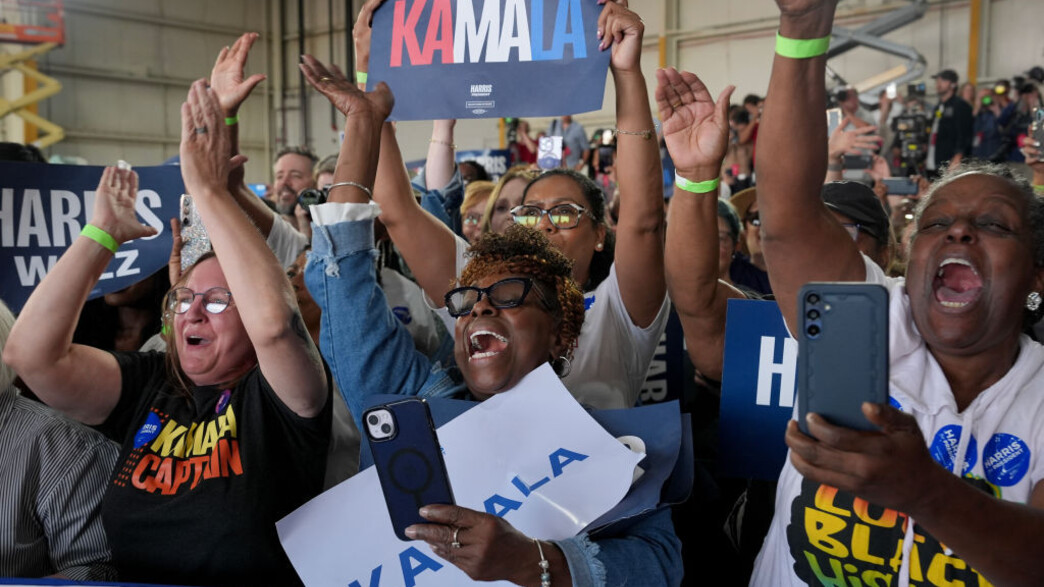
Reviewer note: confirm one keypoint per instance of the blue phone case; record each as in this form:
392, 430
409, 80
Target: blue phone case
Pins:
409, 464
843, 351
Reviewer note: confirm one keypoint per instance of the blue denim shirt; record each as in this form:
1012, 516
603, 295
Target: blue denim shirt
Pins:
370, 352
443, 203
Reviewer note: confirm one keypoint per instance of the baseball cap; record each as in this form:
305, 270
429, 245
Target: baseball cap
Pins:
948, 75
858, 202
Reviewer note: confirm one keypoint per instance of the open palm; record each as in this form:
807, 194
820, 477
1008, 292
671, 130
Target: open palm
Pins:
695, 129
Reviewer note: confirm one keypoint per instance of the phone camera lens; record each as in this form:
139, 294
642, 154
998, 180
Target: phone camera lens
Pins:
813, 299
813, 314
813, 330
373, 420
386, 428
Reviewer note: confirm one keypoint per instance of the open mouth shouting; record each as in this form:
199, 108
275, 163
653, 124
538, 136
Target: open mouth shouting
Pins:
485, 343
957, 283
194, 340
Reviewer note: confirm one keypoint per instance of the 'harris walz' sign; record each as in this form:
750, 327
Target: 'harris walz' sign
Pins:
488, 58
44, 207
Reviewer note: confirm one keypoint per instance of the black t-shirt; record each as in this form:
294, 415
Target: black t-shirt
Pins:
200, 484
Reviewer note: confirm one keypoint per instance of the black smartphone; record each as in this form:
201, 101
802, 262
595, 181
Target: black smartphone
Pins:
408, 459
857, 161
900, 186
842, 351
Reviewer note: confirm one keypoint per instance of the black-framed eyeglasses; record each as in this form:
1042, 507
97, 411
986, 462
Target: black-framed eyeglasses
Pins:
215, 300
753, 220
562, 216
506, 293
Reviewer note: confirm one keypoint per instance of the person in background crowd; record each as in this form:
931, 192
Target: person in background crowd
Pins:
852, 109
958, 364
748, 266
324, 171
294, 173
524, 149
859, 210
1017, 118
472, 170
575, 150
506, 195
237, 352
476, 195
967, 93
950, 140
52, 478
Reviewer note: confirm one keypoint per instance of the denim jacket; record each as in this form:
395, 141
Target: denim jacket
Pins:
370, 352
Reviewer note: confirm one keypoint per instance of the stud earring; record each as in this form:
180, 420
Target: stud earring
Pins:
598, 247
1033, 301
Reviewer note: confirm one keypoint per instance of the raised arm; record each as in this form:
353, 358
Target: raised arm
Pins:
696, 131
441, 161
847, 142
232, 89
802, 241
640, 229
427, 245
80, 381
266, 302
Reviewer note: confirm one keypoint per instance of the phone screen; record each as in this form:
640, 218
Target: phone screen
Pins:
549, 152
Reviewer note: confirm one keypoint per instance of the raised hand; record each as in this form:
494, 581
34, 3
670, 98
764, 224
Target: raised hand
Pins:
227, 76
205, 143
851, 142
361, 34
174, 262
695, 128
622, 29
114, 206
490, 548
343, 94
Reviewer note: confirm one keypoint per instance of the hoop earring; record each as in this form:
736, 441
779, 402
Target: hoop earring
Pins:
562, 366
1033, 301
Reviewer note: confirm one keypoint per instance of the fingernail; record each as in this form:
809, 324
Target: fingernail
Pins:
300, 58
599, 33
410, 532
424, 512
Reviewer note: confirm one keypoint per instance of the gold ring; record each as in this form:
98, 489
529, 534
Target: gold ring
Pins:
325, 79
455, 543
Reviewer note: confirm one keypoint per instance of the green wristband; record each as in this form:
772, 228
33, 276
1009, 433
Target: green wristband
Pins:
801, 48
1038, 189
229, 121
697, 187
360, 77
100, 236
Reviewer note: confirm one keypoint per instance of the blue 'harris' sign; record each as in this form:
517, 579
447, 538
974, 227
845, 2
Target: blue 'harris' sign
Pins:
757, 390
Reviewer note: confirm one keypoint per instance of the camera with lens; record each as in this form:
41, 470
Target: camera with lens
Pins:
312, 197
911, 134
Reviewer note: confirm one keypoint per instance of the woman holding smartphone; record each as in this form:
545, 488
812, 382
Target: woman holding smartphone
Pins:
516, 308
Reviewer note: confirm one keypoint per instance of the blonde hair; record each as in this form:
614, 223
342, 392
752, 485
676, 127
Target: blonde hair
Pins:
522, 172
7, 320
476, 192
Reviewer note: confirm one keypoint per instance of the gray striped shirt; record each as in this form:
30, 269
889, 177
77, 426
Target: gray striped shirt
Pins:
53, 474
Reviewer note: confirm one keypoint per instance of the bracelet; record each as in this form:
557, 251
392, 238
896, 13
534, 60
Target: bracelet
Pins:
100, 236
545, 575
360, 77
835, 167
339, 184
697, 187
801, 48
230, 120
645, 134
1038, 188
447, 143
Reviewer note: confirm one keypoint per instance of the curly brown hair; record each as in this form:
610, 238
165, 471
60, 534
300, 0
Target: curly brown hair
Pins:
524, 251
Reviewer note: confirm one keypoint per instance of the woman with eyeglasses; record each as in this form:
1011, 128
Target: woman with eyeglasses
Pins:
620, 272
224, 434
516, 307
476, 194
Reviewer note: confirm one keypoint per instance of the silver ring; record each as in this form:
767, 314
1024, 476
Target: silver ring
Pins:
200, 130
455, 543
